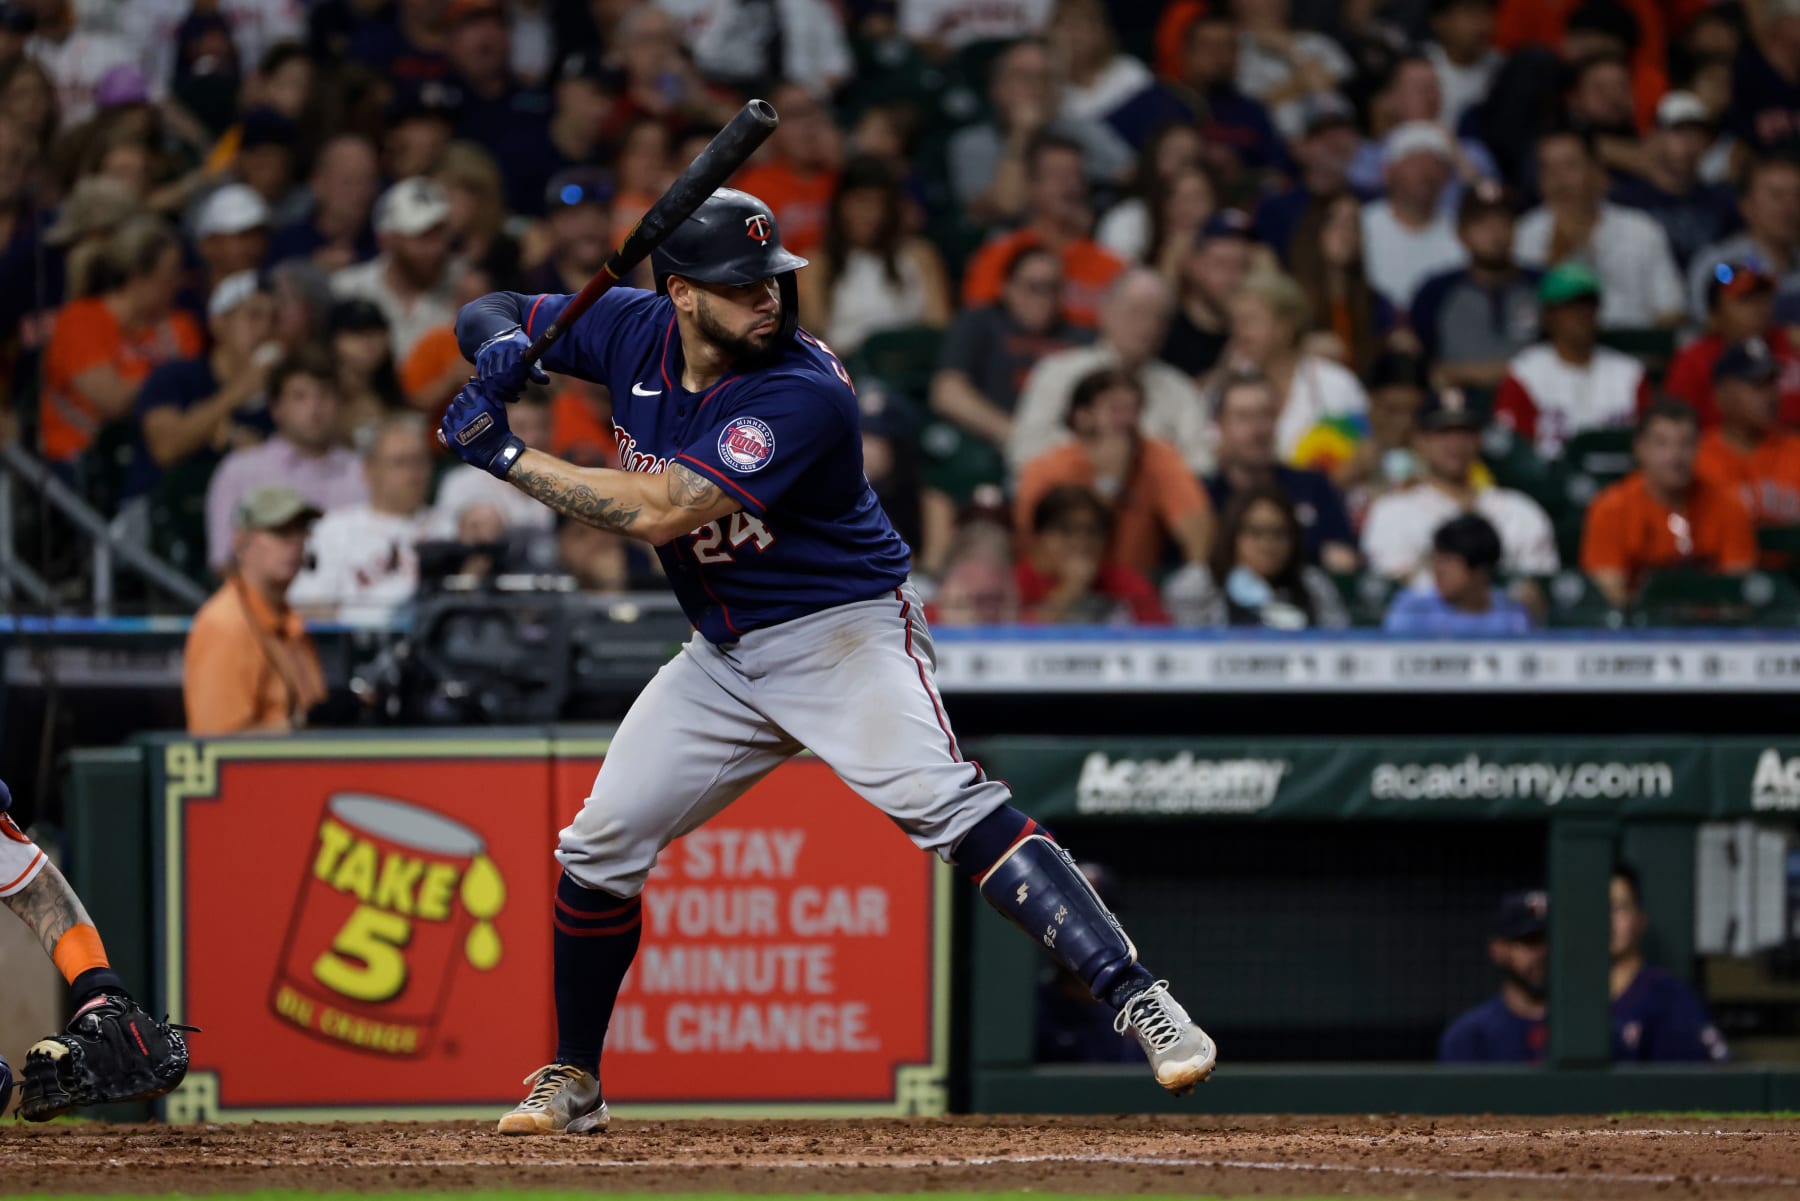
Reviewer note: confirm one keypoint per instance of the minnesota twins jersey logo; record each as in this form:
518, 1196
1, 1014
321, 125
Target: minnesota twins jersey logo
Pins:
746, 445
757, 226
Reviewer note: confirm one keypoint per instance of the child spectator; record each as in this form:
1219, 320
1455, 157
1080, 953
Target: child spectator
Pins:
1065, 577
1461, 600
1663, 515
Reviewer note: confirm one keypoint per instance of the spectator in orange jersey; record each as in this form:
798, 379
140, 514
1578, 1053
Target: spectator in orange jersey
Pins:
105, 346
1663, 515
1057, 216
1749, 451
1741, 303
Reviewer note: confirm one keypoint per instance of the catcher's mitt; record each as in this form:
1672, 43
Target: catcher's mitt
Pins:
112, 1051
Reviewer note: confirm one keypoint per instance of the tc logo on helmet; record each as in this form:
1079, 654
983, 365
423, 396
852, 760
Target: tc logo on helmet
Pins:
746, 445
757, 226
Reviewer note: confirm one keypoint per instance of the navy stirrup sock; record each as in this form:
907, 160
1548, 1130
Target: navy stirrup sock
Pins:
992, 837
596, 936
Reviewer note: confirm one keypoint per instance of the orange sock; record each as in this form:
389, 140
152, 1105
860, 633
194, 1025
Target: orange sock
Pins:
79, 950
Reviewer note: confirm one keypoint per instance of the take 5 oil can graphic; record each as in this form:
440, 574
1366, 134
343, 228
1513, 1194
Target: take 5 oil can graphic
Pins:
395, 901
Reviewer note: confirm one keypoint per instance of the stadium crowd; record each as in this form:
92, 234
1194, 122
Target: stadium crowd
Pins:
1457, 315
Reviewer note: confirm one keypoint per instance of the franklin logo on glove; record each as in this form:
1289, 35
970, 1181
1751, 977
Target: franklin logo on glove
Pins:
481, 425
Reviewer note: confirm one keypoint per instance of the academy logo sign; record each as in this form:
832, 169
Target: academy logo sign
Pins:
1472, 778
1776, 784
1182, 784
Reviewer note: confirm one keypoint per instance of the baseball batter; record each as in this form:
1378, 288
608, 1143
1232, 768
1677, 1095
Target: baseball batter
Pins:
741, 457
112, 1050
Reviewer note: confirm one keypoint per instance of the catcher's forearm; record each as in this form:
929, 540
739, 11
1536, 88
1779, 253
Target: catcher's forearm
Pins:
50, 907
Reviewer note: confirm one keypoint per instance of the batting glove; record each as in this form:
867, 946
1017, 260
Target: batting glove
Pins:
474, 428
497, 361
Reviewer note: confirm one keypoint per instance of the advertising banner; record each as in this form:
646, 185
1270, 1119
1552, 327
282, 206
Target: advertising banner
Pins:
362, 928
1280, 779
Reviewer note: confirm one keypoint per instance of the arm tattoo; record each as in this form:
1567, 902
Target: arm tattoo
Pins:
574, 500
689, 489
50, 907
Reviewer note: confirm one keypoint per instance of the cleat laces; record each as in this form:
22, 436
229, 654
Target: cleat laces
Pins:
545, 1082
1151, 1014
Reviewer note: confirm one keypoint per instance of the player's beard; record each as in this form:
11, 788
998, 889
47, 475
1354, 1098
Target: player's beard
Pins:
744, 349
1531, 988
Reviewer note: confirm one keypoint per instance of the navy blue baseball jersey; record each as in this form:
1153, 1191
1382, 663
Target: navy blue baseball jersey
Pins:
785, 440
1657, 1018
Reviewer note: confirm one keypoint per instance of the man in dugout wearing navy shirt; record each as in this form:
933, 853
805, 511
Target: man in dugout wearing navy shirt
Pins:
1655, 1017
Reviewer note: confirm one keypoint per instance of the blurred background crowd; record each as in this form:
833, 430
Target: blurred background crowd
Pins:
1450, 315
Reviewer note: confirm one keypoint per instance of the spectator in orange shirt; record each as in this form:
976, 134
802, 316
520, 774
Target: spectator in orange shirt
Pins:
1749, 451
104, 346
1663, 515
1065, 577
798, 179
1057, 215
248, 664
1154, 499
1741, 301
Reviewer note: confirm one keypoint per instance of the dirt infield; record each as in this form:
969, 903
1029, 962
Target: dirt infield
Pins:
1273, 1156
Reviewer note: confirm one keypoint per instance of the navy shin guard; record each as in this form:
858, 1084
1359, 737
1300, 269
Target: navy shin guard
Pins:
1040, 890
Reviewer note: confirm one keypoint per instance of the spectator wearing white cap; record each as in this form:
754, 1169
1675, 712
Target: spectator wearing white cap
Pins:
231, 232
362, 561
1693, 213
1408, 237
1411, 92
412, 280
1640, 286
213, 402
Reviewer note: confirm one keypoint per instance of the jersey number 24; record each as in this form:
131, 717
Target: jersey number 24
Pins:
709, 537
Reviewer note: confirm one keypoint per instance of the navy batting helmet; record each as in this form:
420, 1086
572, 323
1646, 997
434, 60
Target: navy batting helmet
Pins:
732, 238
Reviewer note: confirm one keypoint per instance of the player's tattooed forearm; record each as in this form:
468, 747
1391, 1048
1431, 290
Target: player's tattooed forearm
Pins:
689, 489
575, 500
49, 906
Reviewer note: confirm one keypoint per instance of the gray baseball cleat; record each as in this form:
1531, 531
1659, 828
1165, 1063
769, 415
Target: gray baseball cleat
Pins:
1181, 1054
563, 1100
